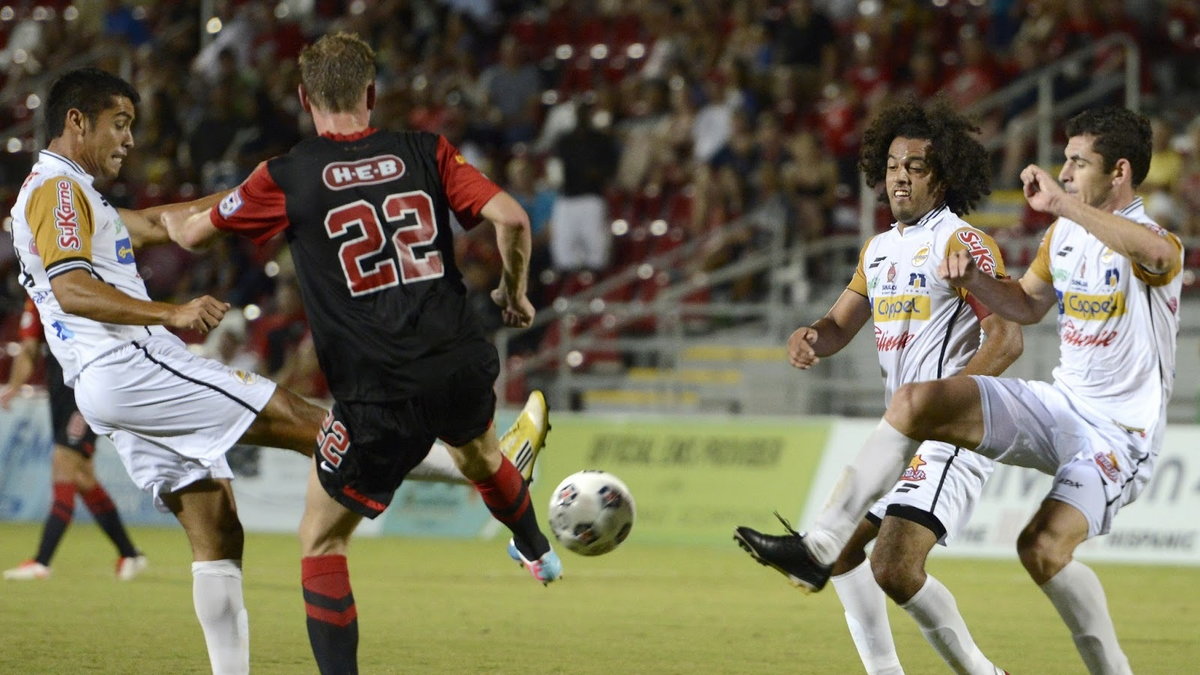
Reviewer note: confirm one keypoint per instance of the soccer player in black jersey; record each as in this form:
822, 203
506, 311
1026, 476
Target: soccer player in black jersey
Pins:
366, 213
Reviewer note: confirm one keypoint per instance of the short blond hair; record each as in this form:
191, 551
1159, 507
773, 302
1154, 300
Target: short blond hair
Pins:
336, 70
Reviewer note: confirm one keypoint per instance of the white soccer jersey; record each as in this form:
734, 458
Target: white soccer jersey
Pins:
61, 223
924, 328
1117, 322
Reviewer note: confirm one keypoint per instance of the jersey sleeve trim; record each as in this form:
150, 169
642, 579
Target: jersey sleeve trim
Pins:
64, 265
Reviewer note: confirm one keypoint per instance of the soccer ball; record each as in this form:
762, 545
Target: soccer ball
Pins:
591, 512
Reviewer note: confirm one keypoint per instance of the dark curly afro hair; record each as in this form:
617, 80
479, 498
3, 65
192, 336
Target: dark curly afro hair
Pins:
959, 162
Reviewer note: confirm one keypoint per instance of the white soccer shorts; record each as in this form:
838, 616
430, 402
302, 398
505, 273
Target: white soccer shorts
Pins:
1098, 465
580, 234
941, 482
172, 415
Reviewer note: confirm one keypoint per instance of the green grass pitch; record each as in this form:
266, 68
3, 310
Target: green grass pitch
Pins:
452, 606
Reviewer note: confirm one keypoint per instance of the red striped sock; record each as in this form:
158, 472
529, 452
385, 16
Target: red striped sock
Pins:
332, 614
506, 495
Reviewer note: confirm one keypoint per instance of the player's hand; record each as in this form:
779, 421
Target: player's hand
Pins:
202, 314
958, 269
800, 347
517, 312
1043, 193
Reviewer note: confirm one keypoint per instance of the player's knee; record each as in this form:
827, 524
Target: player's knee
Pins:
900, 580
1041, 553
911, 406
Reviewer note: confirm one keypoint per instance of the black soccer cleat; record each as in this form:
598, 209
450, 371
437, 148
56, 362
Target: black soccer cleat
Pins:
785, 553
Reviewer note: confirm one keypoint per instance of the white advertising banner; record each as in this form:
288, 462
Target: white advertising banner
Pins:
269, 485
1162, 526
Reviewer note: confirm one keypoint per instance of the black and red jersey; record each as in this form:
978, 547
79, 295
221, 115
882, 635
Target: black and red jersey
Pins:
367, 220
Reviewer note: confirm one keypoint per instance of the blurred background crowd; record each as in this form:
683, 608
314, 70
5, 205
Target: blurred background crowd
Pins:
662, 120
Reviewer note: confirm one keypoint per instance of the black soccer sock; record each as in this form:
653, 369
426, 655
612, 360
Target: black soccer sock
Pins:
62, 509
507, 496
105, 513
332, 615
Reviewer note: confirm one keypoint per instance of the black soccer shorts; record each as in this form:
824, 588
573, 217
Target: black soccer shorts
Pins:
365, 449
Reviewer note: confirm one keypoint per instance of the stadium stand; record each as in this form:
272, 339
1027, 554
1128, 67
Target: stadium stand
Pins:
735, 203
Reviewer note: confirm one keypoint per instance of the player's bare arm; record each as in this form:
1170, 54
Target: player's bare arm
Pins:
514, 241
1155, 253
1004, 344
150, 226
1025, 301
81, 294
191, 230
829, 334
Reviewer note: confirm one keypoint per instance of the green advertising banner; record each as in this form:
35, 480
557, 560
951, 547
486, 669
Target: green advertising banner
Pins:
694, 479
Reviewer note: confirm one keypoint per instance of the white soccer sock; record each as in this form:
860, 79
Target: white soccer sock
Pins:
1079, 598
866, 616
438, 466
935, 611
875, 469
217, 596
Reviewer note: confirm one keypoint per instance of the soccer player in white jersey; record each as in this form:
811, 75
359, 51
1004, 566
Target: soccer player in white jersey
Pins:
1114, 276
933, 171
171, 415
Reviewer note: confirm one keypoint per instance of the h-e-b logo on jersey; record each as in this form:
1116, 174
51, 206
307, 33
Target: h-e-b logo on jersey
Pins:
379, 169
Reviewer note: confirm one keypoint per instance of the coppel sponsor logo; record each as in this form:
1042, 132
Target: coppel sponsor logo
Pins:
901, 307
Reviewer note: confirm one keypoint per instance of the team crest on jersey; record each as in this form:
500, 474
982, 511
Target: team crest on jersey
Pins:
124, 250
66, 218
1107, 255
244, 377
914, 472
379, 169
1107, 462
921, 255
230, 204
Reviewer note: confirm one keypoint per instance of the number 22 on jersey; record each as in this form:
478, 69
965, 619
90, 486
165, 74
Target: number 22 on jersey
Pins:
411, 213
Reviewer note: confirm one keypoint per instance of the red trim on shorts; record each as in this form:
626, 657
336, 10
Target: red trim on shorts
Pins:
363, 499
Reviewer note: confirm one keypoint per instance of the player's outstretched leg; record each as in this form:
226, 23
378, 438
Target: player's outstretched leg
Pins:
787, 554
523, 441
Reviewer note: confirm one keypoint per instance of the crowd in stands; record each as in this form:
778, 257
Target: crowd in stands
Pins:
614, 122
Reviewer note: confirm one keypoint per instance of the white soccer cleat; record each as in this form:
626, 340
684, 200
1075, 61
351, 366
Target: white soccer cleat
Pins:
28, 571
129, 568
525, 438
